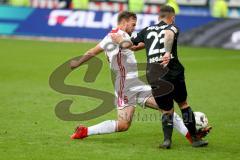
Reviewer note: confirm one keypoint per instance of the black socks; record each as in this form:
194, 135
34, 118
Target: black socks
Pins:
189, 120
167, 125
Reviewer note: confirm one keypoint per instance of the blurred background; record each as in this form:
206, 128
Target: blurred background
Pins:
218, 8
213, 23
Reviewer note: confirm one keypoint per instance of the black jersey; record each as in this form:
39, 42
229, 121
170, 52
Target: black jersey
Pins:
153, 38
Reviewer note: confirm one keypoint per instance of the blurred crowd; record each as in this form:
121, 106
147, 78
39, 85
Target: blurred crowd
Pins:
219, 8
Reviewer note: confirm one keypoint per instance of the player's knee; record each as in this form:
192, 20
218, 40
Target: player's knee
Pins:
183, 105
168, 111
151, 103
123, 126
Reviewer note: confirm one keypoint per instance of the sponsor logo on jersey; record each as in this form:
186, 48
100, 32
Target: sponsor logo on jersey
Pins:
158, 59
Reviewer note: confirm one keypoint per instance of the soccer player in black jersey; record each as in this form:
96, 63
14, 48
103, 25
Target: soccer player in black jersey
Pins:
160, 41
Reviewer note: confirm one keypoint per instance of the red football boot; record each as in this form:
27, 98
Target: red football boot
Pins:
189, 138
80, 132
203, 132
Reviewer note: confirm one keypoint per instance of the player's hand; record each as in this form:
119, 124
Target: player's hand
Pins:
138, 47
116, 38
74, 64
134, 48
166, 59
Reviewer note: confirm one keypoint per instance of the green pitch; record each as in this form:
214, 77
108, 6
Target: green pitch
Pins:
29, 128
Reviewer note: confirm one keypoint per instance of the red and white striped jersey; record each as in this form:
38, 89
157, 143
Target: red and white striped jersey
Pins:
122, 61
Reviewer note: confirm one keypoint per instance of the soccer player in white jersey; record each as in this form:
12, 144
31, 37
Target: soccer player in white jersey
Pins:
129, 90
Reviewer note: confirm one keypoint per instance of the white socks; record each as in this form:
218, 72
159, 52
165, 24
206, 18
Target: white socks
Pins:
110, 126
105, 127
179, 125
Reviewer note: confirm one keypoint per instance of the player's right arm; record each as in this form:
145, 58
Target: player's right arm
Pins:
117, 38
88, 55
123, 42
135, 43
140, 46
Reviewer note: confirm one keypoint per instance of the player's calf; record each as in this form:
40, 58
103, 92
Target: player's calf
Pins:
123, 126
189, 121
167, 124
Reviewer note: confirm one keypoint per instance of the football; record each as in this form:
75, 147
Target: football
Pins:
201, 120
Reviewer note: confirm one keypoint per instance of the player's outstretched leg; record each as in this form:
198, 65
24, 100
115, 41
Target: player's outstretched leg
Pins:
110, 126
105, 127
190, 123
180, 127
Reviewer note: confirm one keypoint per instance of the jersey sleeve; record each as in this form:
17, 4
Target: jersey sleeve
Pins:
105, 41
173, 28
126, 37
139, 37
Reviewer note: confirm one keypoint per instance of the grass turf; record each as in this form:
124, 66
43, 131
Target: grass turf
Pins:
29, 128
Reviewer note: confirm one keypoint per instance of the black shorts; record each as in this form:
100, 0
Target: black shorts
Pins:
177, 93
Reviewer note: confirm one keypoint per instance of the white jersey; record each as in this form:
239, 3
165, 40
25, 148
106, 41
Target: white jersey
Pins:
122, 61
129, 90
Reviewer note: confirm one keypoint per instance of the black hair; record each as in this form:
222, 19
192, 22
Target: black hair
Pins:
166, 10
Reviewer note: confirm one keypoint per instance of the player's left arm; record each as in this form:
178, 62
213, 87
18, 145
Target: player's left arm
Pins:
135, 43
126, 43
138, 47
123, 42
